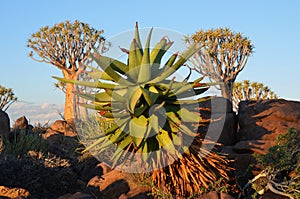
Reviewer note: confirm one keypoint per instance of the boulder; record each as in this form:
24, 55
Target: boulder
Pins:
4, 124
223, 128
77, 195
261, 122
118, 184
61, 137
13, 192
215, 195
105, 168
87, 167
21, 123
63, 127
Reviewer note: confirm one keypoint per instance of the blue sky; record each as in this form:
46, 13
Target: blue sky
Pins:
273, 27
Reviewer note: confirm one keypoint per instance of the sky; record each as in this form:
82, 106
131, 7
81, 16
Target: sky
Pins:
272, 26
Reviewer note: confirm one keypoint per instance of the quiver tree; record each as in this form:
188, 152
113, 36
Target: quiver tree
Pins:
66, 46
223, 57
247, 90
7, 97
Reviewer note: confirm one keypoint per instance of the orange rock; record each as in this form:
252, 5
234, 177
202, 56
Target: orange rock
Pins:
13, 192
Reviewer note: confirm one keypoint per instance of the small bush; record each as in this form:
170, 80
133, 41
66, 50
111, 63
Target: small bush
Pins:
281, 173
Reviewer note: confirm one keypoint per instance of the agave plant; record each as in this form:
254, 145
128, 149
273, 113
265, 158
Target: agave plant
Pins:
155, 118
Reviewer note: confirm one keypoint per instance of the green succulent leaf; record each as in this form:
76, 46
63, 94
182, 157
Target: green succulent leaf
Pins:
98, 84
138, 129
150, 95
145, 67
97, 74
188, 116
166, 142
98, 97
118, 135
108, 66
183, 58
135, 94
153, 122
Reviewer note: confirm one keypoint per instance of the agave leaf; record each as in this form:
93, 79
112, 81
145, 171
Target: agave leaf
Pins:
140, 110
120, 150
184, 57
118, 135
107, 66
98, 84
116, 156
188, 116
137, 37
120, 67
104, 107
117, 95
115, 105
114, 114
189, 86
150, 95
153, 122
156, 64
98, 97
145, 151
145, 67
191, 93
97, 74
138, 128
170, 61
133, 61
180, 125
158, 51
135, 94
116, 126
97, 142
166, 142
189, 102
175, 121
177, 140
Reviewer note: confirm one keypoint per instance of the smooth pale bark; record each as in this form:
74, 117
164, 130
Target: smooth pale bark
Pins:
70, 99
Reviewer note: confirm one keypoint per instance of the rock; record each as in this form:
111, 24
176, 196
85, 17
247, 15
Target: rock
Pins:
110, 178
266, 119
256, 146
215, 195
64, 128
111, 185
117, 184
61, 137
105, 168
210, 195
225, 196
87, 167
77, 195
13, 192
260, 124
21, 123
137, 193
224, 127
4, 124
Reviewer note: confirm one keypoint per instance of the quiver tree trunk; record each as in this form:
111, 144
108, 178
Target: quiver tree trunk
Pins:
70, 100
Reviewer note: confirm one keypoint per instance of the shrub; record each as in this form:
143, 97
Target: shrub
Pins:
281, 173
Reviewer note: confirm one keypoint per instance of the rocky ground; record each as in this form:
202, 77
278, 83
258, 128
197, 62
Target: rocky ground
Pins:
50, 166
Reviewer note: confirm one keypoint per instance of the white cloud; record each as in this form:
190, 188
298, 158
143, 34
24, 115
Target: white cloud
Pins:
35, 113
